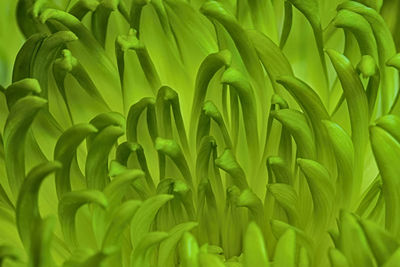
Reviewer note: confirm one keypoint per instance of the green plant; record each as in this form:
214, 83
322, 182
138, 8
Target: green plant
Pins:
199, 133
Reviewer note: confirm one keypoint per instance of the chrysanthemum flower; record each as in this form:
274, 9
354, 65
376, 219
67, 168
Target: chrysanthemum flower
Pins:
199, 133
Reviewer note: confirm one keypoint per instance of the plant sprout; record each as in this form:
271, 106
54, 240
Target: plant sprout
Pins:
199, 133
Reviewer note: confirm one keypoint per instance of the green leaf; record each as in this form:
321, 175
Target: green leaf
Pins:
255, 252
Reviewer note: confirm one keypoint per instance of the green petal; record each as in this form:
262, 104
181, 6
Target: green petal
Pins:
386, 147
215, 10
27, 209
121, 219
18, 121
64, 152
140, 253
382, 244
228, 163
255, 253
393, 260
285, 251
287, 197
321, 188
337, 258
295, 122
168, 246
207, 70
69, 206
344, 154
188, 251
144, 217
96, 168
